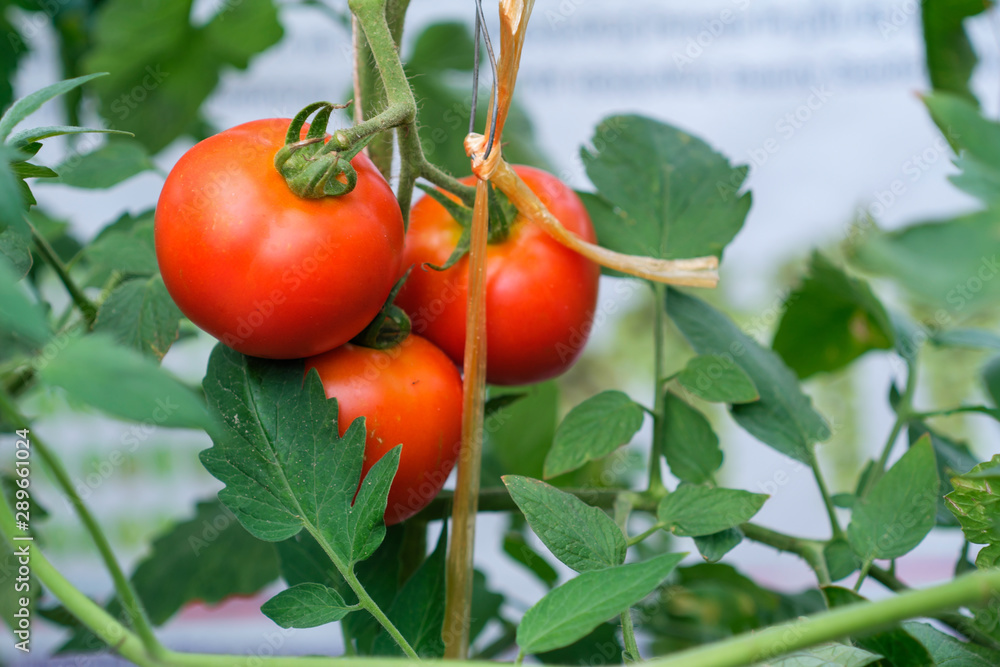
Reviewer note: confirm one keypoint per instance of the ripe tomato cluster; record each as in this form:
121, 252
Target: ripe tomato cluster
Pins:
275, 275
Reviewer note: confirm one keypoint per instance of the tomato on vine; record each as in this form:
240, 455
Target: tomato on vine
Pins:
540, 295
409, 394
267, 272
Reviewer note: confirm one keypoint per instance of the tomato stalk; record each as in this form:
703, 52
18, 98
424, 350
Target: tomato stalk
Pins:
458, 587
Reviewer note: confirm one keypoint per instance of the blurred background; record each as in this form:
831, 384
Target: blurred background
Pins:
820, 99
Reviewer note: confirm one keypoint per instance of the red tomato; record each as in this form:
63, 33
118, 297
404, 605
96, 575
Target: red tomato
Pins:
411, 395
268, 273
540, 295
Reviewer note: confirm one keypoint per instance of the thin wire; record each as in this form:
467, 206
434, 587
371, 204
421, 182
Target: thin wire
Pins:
475, 78
481, 29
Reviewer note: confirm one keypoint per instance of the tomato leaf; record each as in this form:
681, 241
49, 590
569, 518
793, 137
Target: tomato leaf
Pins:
592, 430
30, 103
572, 611
112, 163
122, 383
671, 194
952, 458
715, 378
515, 546
975, 502
900, 509
193, 561
696, 511
125, 247
418, 609
688, 443
946, 650
950, 57
307, 477
140, 314
583, 537
163, 67
784, 417
713, 547
35, 134
829, 321
20, 316
12, 202
306, 606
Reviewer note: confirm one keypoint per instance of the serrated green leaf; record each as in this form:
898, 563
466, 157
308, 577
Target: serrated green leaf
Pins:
674, 195
975, 502
306, 606
583, 537
894, 644
694, 511
946, 650
97, 371
900, 509
515, 546
952, 458
418, 609
30, 103
826, 655
715, 378
713, 547
140, 314
572, 611
829, 321
592, 430
784, 417
688, 442
19, 315
112, 163
308, 477
949, 55
988, 557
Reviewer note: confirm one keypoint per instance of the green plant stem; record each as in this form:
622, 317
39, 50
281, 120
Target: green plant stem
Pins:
956, 621
963, 409
904, 412
659, 400
364, 599
811, 551
86, 306
761, 645
126, 593
628, 635
632, 541
370, 100
831, 512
